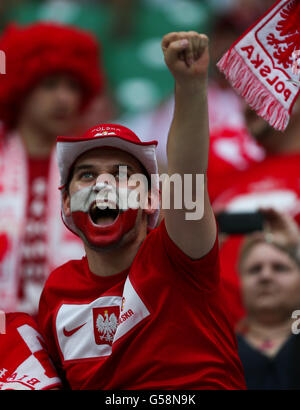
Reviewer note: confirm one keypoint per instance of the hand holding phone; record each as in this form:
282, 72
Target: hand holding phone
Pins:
240, 222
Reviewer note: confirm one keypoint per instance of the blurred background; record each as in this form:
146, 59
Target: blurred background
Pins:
130, 33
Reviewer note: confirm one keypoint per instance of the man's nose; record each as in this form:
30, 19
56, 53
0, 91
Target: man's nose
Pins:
64, 94
102, 185
266, 273
99, 186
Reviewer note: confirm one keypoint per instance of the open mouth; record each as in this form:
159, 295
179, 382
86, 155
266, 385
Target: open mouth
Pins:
103, 216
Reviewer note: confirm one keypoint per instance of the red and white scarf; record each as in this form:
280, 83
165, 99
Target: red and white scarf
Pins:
262, 65
62, 245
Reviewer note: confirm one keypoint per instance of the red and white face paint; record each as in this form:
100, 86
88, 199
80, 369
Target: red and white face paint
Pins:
101, 214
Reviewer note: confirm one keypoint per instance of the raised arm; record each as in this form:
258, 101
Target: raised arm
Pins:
187, 57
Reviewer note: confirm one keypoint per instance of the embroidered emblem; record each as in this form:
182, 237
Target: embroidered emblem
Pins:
105, 324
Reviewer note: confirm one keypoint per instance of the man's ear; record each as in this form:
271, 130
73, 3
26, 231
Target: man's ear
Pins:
66, 203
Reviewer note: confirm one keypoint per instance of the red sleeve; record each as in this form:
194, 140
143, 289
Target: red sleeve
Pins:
204, 272
45, 320
24, 361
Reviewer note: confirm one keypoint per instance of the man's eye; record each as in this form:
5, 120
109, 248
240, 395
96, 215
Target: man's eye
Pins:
86, 175
280, 267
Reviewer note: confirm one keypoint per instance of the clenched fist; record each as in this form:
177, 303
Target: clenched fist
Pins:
186, 55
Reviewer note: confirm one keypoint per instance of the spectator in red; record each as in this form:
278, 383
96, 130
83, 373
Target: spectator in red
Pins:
268, 339
24, 362
232, 150
272, 183
52, 74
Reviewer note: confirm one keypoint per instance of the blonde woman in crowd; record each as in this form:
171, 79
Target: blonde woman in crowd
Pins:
269, 267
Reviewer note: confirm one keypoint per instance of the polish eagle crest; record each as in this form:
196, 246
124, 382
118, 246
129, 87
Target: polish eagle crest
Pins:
107, 326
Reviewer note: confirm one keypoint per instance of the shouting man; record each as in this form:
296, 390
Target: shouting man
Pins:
143, 309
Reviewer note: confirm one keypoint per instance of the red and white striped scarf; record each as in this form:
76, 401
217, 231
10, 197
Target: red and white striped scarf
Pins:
262, 65
62, 245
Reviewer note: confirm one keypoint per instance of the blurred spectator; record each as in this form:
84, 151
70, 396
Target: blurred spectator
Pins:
52, 75
246, 12
273, 182
269, 268
123, 16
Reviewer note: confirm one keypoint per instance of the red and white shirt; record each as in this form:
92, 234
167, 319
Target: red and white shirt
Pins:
161, 324
24, 362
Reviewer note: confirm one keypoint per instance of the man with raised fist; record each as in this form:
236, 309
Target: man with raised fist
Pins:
144, 308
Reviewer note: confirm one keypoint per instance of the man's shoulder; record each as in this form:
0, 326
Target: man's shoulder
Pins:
65, 272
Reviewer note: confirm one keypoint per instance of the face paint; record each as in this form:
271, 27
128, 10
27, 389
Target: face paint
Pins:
102, 227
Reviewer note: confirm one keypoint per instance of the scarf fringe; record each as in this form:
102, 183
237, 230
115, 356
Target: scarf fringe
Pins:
255, 93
